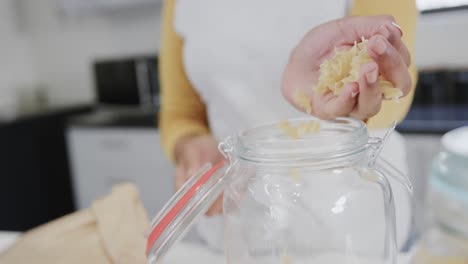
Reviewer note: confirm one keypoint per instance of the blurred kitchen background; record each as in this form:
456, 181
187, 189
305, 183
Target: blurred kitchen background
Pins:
79, 98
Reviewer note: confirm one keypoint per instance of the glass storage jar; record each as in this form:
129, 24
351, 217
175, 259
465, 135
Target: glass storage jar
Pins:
294, 195
447, 239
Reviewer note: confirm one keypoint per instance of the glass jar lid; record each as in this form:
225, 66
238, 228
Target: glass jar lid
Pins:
449, 174
293, 140
456, 141
191, 201
449, 182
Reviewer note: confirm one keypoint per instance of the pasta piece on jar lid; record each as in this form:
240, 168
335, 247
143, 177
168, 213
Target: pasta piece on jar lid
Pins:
302, 129
303, 101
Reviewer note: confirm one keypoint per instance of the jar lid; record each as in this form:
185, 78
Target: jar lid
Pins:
191, 201
448, 175
456, 141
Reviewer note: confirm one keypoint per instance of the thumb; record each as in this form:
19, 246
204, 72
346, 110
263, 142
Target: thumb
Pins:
343, 104
194, 166
191, 170
351, 29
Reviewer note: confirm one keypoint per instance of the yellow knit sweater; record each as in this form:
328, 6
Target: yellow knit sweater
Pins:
182, 111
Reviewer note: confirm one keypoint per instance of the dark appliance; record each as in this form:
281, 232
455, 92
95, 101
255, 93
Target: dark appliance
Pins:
129, 82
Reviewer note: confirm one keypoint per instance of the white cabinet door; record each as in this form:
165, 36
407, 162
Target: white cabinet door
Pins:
421, 150
101, 158
85, 6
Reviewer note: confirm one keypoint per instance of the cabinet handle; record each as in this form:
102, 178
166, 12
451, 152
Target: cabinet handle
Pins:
115, 144
112, 181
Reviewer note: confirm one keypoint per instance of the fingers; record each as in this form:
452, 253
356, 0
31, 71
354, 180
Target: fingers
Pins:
193, 153
370, 96
351, 29
391, 64
393, 34
343, 104
295, 76
217, 207
182, 175
180, 178
192, 166
354, 28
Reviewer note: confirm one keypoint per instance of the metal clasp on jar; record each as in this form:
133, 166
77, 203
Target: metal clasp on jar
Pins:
226, 148
376, 145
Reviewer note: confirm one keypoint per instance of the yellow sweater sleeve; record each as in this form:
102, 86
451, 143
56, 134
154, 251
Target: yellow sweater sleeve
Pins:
182, 111
405, 13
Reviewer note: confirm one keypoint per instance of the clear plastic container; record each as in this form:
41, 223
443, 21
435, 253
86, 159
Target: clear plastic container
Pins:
320, 197
447, 240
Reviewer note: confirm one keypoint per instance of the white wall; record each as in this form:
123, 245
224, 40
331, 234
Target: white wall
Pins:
442, 40
57, 51
64, 47
16, 67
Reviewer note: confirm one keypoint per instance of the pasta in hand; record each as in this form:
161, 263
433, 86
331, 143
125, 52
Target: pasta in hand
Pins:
334, 72
343, 68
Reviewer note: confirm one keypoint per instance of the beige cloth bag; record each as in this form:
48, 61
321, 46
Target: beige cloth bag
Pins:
111, 231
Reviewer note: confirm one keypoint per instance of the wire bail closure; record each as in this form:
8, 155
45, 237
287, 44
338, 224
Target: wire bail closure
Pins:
226, 148
377, 145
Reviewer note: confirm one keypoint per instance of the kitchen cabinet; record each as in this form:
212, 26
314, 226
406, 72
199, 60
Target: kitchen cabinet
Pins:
104, 156
35, 182
85, 6
421, 150
440, 102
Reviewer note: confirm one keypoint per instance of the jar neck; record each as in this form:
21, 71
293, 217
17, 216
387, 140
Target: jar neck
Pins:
340, 142
359, 156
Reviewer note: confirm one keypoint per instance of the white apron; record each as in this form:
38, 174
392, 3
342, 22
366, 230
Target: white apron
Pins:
234, 55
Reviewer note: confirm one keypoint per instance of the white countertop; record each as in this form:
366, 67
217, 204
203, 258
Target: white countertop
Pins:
187, 252
183, 252
7, 239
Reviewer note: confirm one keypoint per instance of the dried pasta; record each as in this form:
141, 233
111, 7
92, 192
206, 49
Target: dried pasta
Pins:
294, 174
302, 129
303, 101
285, 259
343, 68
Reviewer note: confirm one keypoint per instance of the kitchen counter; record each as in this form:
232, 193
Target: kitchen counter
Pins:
116, 118
45, 114
434, 119
183, 252
118, 144
7, 239
34, 169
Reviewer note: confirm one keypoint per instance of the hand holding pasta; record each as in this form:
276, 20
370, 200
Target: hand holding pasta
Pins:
343, 68
346, 67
